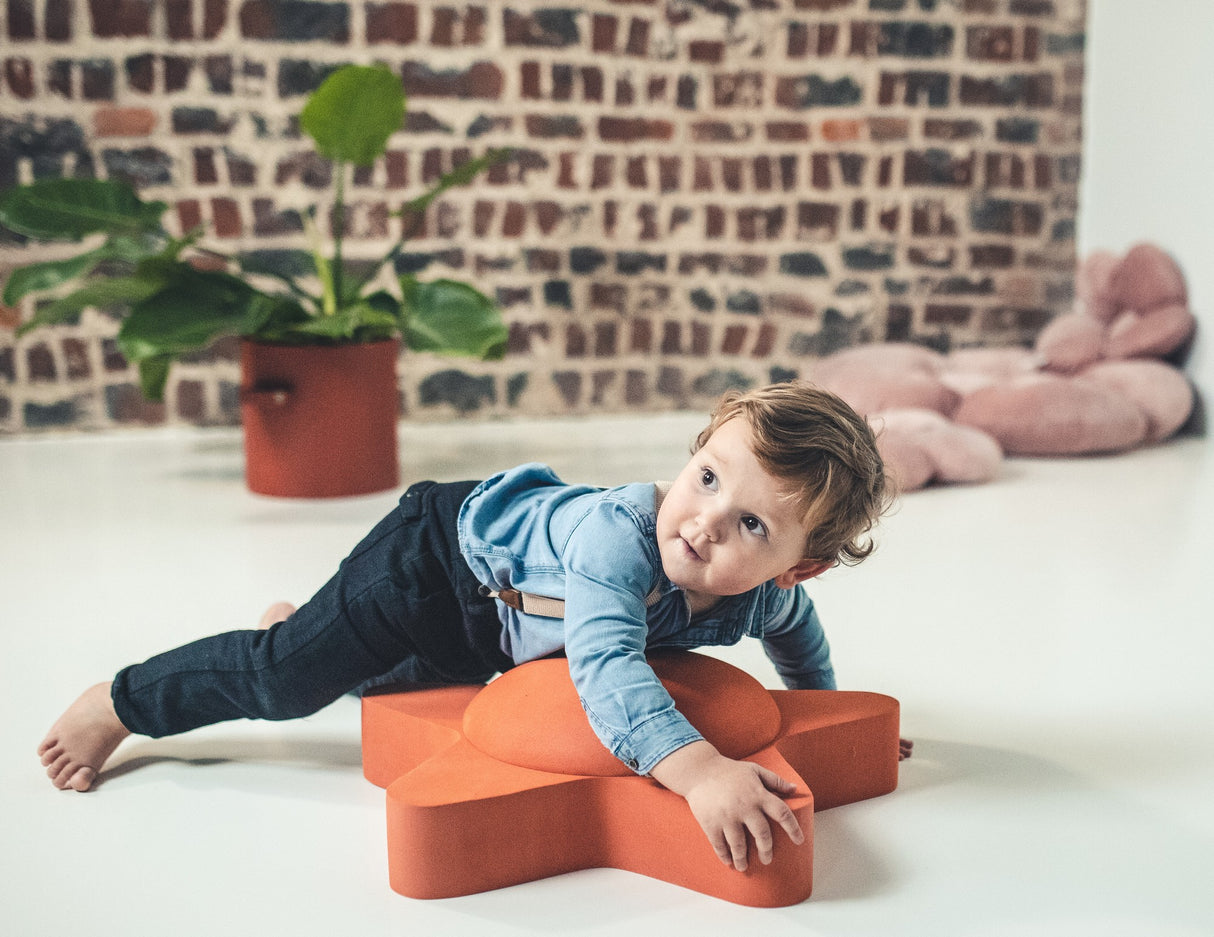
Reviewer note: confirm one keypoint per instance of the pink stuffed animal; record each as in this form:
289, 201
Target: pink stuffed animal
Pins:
1101, 379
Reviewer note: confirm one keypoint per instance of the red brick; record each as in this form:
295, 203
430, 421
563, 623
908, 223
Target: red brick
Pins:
19, 75
123, 121
225, 216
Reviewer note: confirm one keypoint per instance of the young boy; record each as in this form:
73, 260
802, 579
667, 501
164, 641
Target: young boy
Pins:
464, 580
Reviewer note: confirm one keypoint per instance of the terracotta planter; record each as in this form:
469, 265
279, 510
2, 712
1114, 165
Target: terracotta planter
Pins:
319, 421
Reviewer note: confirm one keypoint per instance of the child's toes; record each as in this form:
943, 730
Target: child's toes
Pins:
81, 779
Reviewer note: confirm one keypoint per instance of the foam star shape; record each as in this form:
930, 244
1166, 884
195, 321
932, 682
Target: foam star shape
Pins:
507, 783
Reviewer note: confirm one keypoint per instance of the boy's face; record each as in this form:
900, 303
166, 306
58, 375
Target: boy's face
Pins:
727, 525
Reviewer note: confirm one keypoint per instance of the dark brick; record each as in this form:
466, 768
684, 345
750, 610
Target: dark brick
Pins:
817, 220
141, 73
46, 416
120, 19
816, 91
220, 73
269, 220
702, 300
914, 40
631, 263
1004, 216
507, 296
633, 129
457, 388
553, 126
803, 264
550, 28
19, 76
481, 81
606, 339
177, 70
992, 255
59, 78
936, 128
638, 37
569, 384
1017, 130
947, 314
1007, 91
21, 20
936, 258
391, 22
140, 167
242, 171
1065, 44
869, 258
964, 286
1032, 8
190, 120
914, 88
898, 319
300, 76
97, 79
586, 259
687, 92
558, 293
990, 43
57, 22
40, 363
706, 51
744, 302
295, 21
719, 380
938, 167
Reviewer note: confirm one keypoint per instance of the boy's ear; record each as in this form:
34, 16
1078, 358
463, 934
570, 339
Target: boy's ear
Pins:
805, 569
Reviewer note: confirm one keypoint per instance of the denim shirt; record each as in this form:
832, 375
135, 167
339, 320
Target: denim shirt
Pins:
597, 550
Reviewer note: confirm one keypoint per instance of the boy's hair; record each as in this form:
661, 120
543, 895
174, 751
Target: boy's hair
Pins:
811, 439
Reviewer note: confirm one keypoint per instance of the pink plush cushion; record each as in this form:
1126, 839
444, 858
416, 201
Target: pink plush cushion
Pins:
1151, 334
877, 377
1093, 285
921, 446
968, 369
1071, 342
1162, 394
1046, 414
1147, 277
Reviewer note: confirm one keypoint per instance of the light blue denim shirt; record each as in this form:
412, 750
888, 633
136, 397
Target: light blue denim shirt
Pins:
597, 550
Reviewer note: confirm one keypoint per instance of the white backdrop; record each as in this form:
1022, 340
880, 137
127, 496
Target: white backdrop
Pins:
1149, 147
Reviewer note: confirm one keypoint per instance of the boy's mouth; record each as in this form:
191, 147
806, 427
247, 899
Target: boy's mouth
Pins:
690, 550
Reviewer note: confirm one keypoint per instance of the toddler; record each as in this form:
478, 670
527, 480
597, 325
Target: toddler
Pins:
464, 580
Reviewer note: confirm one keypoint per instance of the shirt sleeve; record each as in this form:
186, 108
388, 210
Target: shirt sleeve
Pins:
795, 641
609, 570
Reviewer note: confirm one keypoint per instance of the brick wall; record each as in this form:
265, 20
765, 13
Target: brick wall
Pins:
707, 192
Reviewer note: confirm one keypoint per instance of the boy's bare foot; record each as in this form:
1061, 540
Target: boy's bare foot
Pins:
279, 611
82, 740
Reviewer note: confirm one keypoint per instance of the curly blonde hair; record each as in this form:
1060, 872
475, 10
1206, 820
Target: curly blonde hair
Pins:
826, 452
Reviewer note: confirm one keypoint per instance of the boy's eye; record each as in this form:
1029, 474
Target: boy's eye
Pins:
708, 478
754, 525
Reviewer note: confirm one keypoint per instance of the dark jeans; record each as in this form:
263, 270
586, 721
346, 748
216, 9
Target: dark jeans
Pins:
403, 608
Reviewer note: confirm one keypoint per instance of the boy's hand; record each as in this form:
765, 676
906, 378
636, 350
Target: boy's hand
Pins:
731, 800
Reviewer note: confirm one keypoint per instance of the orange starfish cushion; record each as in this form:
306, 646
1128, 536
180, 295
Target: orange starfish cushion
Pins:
727, 706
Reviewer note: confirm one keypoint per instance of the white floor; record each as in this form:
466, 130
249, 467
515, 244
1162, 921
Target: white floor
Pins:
1043, 633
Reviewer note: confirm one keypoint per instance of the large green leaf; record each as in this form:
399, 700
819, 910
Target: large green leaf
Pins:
451, 318
354, 112
35, 277
153, 375
100, 294
69, 209
189, 313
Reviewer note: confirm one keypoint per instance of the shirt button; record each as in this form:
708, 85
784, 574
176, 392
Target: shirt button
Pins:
632, 763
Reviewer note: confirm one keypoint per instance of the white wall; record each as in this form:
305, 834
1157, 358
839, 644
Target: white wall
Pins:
1149, 143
